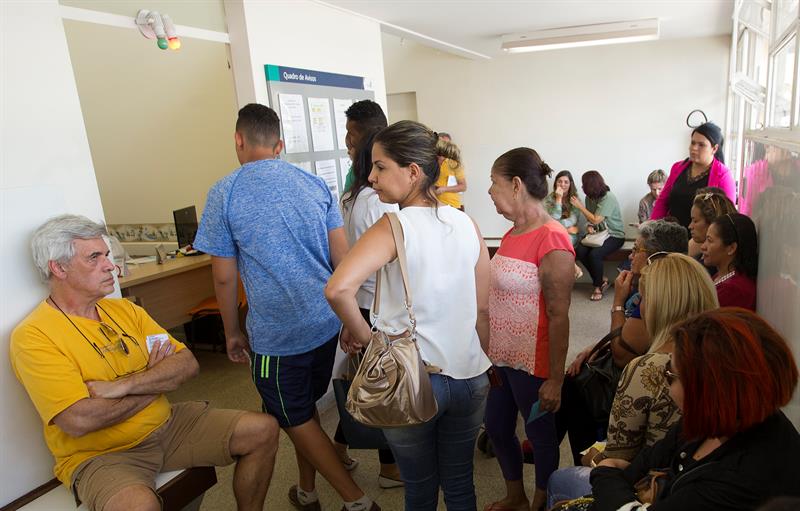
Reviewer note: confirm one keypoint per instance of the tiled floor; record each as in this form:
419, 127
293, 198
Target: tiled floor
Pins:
228, 385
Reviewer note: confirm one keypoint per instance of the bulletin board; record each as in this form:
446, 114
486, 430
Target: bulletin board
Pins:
311, 106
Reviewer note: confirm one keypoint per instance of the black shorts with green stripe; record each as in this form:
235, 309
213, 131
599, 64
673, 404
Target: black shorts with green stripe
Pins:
291, 385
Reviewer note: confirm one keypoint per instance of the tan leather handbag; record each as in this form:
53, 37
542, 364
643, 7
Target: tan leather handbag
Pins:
392, 387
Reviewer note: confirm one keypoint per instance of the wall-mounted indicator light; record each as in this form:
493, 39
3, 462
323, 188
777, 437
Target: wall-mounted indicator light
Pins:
153, 25
172, 36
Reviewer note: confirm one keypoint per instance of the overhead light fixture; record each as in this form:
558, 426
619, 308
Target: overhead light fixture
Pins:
153, 25
584, 35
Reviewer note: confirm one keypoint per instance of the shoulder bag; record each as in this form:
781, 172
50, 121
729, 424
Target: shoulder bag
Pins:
392, 387
597, 381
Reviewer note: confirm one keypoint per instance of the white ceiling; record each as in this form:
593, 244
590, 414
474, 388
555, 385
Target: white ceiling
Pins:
477, 25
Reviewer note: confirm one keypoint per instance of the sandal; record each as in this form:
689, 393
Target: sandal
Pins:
596, 296
604, 286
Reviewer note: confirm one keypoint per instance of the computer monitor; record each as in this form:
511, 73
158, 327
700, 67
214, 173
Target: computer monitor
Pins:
185, 225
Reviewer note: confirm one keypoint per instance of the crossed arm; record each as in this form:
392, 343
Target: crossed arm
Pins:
112, 402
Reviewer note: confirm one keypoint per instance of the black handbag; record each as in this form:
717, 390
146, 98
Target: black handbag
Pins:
358, 435
597, 381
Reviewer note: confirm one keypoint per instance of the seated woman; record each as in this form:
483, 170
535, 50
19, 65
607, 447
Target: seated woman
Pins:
709, 203
559, 206
731, 246
674, 286
655, 181
631, 340
733, 448
603, 213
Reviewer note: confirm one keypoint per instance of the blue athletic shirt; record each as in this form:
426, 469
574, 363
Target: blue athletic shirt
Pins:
274, 219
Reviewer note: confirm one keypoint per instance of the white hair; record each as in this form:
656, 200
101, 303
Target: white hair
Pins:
52, 241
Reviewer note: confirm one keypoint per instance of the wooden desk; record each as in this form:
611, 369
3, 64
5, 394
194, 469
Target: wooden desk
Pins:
167, 291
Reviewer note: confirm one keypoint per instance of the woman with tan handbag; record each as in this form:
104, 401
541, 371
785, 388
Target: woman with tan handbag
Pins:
449, 334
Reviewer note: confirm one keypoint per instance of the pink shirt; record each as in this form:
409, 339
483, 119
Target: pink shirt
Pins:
718, 176
518, 335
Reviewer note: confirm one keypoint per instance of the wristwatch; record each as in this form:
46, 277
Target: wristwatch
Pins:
617, 308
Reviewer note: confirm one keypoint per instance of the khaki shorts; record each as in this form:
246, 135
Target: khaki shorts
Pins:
194, 436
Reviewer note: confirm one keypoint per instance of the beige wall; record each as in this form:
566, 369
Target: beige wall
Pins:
160, 123
208, 14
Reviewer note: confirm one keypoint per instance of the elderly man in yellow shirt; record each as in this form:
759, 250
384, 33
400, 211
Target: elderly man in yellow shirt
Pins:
97, 369
451, 180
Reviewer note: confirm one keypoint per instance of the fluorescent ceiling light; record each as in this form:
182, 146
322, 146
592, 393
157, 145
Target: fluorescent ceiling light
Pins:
585, 35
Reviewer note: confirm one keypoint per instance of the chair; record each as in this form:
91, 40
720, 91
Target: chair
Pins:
208, 308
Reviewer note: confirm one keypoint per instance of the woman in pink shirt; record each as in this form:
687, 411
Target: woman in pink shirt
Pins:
529, 295
731, 246
704, 167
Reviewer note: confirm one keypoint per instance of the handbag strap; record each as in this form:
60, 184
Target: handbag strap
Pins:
399, 243
605, 341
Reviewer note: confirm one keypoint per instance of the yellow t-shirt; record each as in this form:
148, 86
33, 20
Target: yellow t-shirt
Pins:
52, 360
445, 171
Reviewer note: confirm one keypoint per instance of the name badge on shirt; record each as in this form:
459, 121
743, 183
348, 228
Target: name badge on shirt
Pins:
152, 339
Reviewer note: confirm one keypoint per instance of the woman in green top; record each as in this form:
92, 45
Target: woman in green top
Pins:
601, 212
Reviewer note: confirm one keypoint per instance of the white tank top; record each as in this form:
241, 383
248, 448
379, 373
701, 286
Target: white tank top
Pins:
442, 252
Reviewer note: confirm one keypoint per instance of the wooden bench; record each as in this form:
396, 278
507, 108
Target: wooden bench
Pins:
179, 490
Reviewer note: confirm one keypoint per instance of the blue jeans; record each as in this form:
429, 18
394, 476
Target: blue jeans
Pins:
568, 483
441, 451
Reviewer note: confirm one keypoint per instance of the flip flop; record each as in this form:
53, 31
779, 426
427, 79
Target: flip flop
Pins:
596, 297
604, 286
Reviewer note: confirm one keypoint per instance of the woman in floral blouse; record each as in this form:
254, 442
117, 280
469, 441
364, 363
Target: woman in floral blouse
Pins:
673, 287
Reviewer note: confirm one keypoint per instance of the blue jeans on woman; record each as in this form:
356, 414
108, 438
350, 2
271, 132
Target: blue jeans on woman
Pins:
567, 484
440, 452
592, 257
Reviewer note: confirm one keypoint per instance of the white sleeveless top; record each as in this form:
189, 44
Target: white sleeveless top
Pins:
442, 253
359, 215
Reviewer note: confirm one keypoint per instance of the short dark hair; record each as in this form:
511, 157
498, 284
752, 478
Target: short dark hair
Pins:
259, 124
740, 229
526, 164
367, 114
594, 186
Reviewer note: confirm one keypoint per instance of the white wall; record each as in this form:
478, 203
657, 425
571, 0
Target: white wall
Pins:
617, 109
301, 34
46, 170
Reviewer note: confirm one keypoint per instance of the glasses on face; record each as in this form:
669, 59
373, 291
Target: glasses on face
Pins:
656, 257
669, 375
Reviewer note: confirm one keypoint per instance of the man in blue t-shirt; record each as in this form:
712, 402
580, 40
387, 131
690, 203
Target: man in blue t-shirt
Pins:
280, 228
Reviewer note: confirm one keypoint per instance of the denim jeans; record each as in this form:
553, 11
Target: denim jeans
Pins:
440, 452
568, 483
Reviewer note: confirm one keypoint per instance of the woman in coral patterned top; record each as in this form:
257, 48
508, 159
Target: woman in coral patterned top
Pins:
531, 282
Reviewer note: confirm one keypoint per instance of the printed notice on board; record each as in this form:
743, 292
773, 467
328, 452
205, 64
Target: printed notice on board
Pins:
293, 119
326, 169
305, 165
319, 113
344, 166
340, 106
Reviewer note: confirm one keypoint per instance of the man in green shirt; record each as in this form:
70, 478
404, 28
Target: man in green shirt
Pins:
362, 117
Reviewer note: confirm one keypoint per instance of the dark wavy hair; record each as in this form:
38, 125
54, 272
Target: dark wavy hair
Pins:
362, 166
407, 142
527, 165
566, 205
740, 229
735, 369
594, 186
